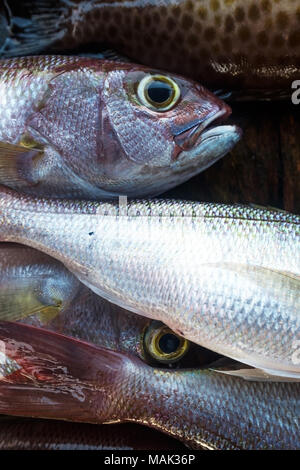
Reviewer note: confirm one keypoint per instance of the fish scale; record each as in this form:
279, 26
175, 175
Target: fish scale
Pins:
18, 434
208, 264
243, 45
82, 130
203, 408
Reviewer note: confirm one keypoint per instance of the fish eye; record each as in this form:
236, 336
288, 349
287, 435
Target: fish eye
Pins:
163, 345
158, 92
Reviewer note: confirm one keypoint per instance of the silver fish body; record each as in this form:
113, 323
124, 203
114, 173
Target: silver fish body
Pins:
38, 290
224, 277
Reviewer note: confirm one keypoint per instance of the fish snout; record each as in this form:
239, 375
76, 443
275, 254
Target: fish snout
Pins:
187, 135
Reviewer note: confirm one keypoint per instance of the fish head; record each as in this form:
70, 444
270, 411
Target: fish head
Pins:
167, 128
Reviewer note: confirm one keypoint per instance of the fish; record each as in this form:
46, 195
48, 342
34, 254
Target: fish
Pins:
225, 277
247, 47
79, 127
38, 434
27, 277
45, 374
33, 283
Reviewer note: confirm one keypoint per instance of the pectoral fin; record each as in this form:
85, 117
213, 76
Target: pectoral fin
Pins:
230, 367
16, 164
58, 377
16, 305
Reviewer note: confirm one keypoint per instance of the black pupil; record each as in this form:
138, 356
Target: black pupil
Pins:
159, 92
169, 343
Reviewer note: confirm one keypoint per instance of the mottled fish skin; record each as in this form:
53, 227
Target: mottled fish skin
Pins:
61, 378
225, 277
237, 44
86, 134
29, 434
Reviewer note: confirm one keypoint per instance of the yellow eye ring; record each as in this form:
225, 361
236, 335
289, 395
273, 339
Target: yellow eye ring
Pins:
163, 345
158, 92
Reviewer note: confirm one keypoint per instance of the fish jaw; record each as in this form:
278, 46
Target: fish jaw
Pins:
62, 378
210, 147
4, 28
204, 143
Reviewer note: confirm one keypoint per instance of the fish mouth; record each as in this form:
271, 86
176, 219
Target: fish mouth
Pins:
187, 136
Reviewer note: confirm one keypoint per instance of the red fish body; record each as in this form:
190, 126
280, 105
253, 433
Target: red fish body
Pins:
51, 376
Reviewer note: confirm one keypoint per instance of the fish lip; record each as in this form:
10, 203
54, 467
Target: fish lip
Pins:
189, 136
221, 130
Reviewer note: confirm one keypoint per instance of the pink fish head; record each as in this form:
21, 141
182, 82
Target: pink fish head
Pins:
161, 129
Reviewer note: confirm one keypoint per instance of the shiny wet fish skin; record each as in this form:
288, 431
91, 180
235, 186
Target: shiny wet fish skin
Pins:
240, 45
95, 320
225, 277
28, 278
202, 408
76, 127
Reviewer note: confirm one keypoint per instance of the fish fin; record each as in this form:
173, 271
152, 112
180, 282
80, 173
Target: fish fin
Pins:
15, 164
33, 26
14, 311
46, 374
237, 369
108, 54
267, 207
47, 314
262, 274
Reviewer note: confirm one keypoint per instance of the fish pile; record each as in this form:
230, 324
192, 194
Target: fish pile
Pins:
174, 316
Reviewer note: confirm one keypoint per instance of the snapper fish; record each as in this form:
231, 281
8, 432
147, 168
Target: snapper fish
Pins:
80, 127
45, 374
38, 434
32, 283
251, 48
224, 277
38, 290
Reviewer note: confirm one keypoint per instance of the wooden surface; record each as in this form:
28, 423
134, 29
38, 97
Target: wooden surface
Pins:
264, 168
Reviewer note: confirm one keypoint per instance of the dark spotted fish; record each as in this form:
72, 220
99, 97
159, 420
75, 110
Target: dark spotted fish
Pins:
244, 45
49, 375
